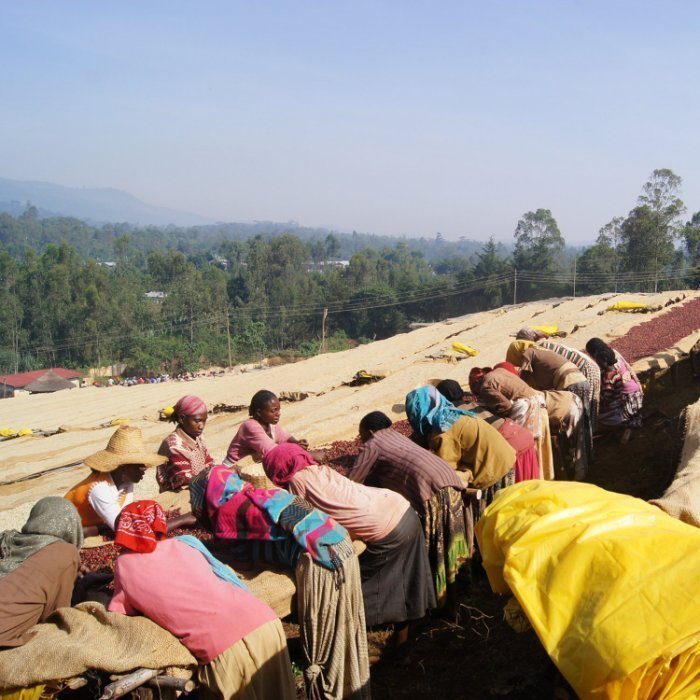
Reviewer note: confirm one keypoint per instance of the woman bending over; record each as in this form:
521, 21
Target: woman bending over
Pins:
621, 393
390, 460
396, 582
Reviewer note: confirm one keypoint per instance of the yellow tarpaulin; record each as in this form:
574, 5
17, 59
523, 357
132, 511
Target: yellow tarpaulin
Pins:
466, 349
549, 330
628, 306
609, 582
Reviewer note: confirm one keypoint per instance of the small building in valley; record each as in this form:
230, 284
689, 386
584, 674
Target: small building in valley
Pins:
38, 381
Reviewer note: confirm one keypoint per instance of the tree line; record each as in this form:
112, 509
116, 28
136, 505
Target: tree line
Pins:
217, 301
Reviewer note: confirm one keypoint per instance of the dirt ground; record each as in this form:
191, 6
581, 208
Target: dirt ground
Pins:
480, 655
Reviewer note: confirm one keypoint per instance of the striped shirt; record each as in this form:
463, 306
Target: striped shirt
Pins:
392, 461
587, 365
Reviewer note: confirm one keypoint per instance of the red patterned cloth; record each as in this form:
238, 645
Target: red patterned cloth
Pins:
141, 524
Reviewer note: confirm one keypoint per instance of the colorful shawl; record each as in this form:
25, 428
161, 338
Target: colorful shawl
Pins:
428, 410
238, 511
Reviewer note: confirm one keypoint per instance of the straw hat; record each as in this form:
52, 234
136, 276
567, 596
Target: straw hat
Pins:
124, 447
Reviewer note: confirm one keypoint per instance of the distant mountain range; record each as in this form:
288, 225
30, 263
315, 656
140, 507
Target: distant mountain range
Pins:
94, 205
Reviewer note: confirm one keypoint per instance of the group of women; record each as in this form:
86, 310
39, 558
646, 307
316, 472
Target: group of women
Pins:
555, 390
408, 506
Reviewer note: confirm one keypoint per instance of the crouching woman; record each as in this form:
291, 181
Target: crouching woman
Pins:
236, 638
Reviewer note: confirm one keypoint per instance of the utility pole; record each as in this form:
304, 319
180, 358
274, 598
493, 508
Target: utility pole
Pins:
515, 285
575, 258
228, 339
656, 273
322, 347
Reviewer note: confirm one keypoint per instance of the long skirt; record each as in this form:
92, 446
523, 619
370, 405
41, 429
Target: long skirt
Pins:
445, 532
531, 414
479, 505
332, 629
254, 668
572, 440
331, 617
396, 580
623, 412
527, 465
583, 391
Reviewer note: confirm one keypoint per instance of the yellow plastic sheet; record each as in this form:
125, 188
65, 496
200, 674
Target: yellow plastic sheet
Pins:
628, 306
466, 349
610, 583
549, 330
32, 693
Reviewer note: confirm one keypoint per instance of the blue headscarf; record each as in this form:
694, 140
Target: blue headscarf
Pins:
429, 410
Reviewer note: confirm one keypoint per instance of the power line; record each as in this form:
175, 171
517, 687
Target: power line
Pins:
177, 325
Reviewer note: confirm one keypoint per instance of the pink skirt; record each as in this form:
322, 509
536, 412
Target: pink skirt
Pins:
527, 466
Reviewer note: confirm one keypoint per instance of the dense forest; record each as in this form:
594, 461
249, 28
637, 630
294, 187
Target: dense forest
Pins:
173, 299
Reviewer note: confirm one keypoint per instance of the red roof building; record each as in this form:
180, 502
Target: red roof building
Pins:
19, 381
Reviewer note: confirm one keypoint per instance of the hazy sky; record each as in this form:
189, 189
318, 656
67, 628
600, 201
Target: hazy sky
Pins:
392, 117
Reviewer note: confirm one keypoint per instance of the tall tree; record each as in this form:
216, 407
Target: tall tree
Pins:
599, 265
649, 232
538, 245
691, 237
491, 268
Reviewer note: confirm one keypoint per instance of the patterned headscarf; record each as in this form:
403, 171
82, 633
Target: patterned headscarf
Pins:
140, 525
427, 410
516, 350
188, 406
52, 519
281, 463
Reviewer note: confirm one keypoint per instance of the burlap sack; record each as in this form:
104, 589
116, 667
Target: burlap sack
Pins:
682, 498
74, 640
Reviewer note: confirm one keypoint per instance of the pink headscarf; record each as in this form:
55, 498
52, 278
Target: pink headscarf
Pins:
281, 463
189, 406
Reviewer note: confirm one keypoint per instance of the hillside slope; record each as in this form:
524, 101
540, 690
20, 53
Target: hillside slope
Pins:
331, 412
